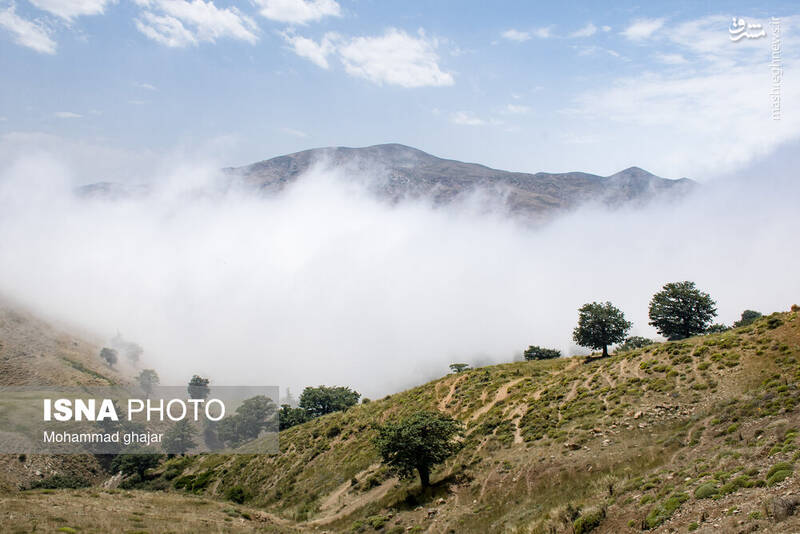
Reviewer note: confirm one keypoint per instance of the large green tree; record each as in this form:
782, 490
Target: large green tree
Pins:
325, 399
289, 417
600, 325
680, 310
252, 416
418, 442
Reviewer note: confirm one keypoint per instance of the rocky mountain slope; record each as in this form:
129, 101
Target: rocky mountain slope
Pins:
396, 172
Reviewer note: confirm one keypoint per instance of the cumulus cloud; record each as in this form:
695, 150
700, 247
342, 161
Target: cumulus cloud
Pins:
587, 31
182, 23
641, 29
394, 58
70, 9
298, 11
307, 48
326, 284
28, 33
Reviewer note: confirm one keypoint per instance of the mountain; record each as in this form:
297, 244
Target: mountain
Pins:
396, 172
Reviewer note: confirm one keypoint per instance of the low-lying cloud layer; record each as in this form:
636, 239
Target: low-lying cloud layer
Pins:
324, 284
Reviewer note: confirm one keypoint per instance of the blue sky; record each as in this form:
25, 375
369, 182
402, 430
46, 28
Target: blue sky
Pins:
112, 85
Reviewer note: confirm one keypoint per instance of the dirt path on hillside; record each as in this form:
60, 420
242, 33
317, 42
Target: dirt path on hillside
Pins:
345, 504
502, 394
516, 417
447, 398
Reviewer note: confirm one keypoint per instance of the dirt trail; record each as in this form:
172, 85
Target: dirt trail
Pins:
447, 398
516, 417
502, 394
353, 504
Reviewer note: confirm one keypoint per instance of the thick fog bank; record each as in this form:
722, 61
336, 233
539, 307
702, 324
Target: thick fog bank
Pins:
324, 284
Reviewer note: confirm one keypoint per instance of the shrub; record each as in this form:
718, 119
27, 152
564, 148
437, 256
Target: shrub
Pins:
534, 352
589, 521
706, 491
60, 482
634, 342
780, 466
778, 476
237, 494
664, 511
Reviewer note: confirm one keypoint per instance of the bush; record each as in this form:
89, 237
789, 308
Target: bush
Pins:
589, 521
634, 342
237, 494
60, 482
778, 476
535, 352
706, 491
664, 511
780, 466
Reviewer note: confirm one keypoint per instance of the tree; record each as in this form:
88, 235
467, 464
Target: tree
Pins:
418, 442
198, 387
600, 325
179, 438
289, 417
137, 463
459, 367
534, 352
717, 328
680, 310
634, 342
324, 399
148, 379
109, 355
252, 416
748, 317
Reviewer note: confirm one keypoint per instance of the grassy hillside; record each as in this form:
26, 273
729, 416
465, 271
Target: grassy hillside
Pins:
35, 352
695, 435
662, 437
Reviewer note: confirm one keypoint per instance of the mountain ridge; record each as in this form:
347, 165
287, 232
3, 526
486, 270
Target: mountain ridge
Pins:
409, 173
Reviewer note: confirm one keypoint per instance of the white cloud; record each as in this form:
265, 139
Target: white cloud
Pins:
517, 109
395, 58
315, 52
671, 59
69, 9
466, 118
606, 28
147, 86
587, 31
180, 23
27, 33
642, 29
66, 115
516, 35
298, 11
